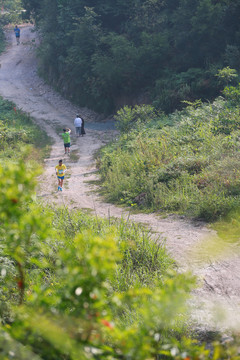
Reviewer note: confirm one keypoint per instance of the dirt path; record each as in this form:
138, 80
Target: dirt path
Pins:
219, 280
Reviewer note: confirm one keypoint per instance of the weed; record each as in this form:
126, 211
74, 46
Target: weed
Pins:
74, 156
144, 261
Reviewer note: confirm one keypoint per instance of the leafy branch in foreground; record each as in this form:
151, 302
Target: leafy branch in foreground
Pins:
67, 307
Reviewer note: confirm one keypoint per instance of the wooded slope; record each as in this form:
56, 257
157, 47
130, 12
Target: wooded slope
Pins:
105, 54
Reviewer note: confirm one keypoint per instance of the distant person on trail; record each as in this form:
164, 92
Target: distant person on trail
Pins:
60, 170
78, 125
17, 34
66, 140
82, 128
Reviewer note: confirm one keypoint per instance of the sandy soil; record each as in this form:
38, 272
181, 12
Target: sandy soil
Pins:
219, 280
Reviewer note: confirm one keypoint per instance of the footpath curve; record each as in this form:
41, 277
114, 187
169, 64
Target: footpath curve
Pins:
219, 281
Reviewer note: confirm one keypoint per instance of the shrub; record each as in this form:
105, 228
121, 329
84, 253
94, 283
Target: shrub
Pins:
127, 117
181, 168
17, 131
67, 289
232, 93
84, 290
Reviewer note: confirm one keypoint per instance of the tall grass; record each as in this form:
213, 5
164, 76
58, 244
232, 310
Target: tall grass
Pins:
190, 168
144, 261
18, 133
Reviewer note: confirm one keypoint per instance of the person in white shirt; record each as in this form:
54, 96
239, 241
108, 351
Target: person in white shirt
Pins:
78, 125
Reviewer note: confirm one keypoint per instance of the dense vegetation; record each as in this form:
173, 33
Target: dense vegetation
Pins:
11, 12
106, 54
74, 286
77, 287
187, 162
19, 134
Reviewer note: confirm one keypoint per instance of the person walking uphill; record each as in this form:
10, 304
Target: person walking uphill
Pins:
78, 125
17, 34
60, 170
66, 139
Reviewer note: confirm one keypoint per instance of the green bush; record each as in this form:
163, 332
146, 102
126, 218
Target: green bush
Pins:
17, 132
128, 117
232, 94
143, 260
67, 302
182, 168
12, 12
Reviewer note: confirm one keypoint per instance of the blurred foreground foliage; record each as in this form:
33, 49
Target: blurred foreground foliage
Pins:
65, 289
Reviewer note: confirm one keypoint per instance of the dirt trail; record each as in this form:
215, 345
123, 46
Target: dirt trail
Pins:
219, 281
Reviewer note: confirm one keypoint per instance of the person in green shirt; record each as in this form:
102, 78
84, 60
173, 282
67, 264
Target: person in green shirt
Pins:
66, 140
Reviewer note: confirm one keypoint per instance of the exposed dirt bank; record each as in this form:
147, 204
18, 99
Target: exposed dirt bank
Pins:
219, 281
